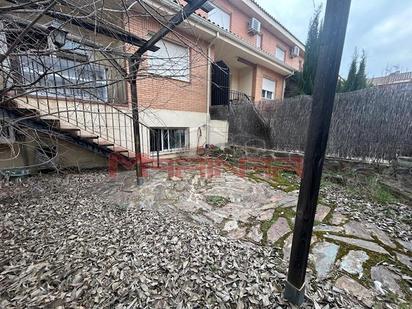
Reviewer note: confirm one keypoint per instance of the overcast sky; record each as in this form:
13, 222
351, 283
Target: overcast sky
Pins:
382, 27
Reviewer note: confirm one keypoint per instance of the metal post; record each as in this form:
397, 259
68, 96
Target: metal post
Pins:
157, 137
134, 68
330, 54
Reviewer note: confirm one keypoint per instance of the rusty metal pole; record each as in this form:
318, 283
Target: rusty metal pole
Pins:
134, 63
330, 54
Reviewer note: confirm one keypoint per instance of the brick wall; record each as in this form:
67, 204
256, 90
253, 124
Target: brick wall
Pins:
167, 93
262, 72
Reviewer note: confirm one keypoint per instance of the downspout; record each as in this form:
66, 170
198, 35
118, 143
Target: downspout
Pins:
209, 85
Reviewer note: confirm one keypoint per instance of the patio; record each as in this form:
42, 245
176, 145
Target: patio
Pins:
189, 241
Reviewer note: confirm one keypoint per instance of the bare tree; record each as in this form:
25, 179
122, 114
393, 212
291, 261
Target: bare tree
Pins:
66, 60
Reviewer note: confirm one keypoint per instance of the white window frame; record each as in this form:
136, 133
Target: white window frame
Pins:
166, 132
268, 89
33, 66
280, 53
259, 40
171, 61
220, 17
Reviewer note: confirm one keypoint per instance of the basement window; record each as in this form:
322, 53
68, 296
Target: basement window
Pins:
268, 89
170, 139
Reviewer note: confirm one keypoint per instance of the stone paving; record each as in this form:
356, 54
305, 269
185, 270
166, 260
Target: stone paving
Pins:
358, 257
237, 232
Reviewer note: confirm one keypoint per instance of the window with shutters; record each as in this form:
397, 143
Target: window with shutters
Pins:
268, 89
69, 72
171, 60
220, 18
280, 54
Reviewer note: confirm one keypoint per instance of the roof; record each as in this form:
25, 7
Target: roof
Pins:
264, 12
393, 78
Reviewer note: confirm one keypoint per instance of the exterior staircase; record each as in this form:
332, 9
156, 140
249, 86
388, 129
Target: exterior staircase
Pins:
102, 128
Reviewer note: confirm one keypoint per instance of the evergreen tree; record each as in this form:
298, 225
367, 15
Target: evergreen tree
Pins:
350, 83
311, 55
357, 75
361, 80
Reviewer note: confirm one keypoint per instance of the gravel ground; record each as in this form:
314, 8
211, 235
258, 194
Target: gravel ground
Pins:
66, 244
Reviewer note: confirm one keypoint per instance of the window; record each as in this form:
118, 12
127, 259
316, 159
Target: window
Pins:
70, 73
268, 89
280, 54
258, 40
171, 60
168, 139
65, 77
220, 18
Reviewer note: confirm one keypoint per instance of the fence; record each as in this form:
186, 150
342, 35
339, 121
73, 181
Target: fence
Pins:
373, 123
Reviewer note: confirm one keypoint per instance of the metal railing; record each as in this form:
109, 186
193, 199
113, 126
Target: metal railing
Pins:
239, 97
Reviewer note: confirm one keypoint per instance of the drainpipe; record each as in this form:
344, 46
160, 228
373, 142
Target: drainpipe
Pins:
209, 85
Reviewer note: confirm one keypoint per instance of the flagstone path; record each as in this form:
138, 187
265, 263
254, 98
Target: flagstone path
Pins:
367, 257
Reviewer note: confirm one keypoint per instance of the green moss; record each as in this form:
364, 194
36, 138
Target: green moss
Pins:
374, 259
285, 181
382, 195
286, 213
369, 187
217, 200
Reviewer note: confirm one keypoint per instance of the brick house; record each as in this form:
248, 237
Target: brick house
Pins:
236, 50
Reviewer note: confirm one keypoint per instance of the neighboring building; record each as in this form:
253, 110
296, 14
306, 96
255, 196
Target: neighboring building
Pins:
237, 50
392, 78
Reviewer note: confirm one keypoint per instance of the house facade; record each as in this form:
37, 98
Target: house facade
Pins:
236, 49
232, 50
397, 77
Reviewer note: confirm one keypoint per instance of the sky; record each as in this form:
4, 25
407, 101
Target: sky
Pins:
383, 28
